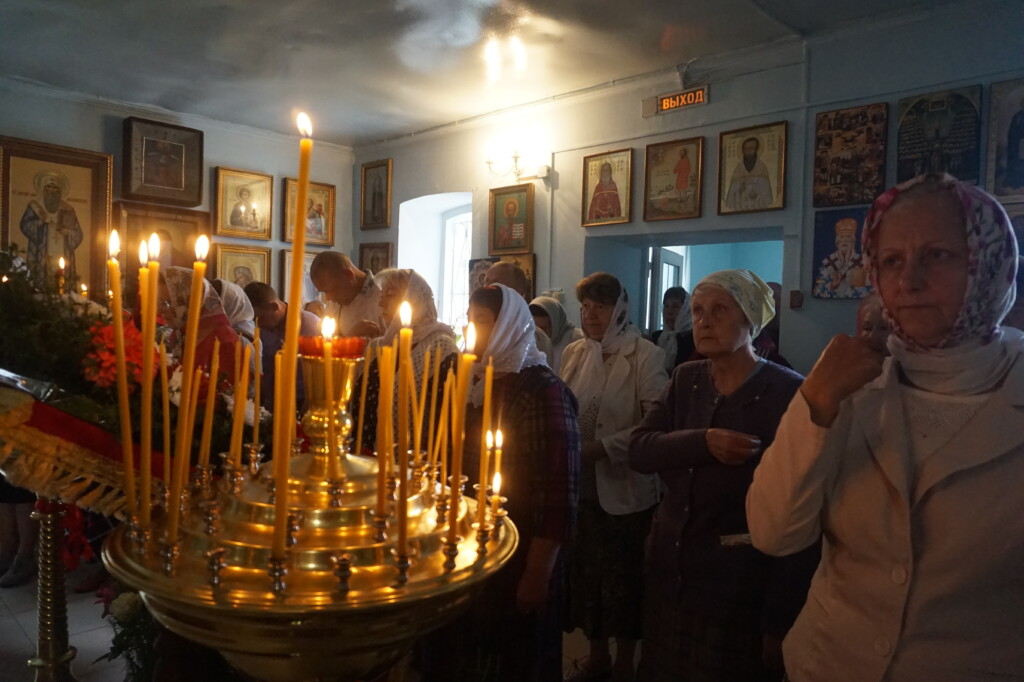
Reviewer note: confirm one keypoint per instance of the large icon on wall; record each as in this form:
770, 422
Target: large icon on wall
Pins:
243, 264
510, 220
849, 155
752, 169
672, 179
319, 214
163, 162
244, 203
375, 196
1005, 176
607, 188
840, 270
940, 133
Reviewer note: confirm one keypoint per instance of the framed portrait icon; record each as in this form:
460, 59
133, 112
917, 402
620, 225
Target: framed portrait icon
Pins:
752, 169
510, 220
672, 179
1005, 173
54, 203
375, 195
245, 202
163, 163
607, 188
243, 264
375, 256
849, 155
319, 212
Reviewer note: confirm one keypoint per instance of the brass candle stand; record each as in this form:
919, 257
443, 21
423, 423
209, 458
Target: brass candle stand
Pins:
343, 603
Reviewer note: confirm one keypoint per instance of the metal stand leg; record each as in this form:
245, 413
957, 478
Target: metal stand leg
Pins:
53, 654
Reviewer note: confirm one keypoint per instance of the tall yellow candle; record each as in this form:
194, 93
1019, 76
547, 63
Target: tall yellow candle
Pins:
166, 407
362, 401
496, 496
293, 320
236, 377
481, 496
211, 399
193, 403
485, 439
405, 384
148, 344
241, 403
182, 445
327, 328
462, 378
418, 407
257, 385
432, 420
442, 419
387, 387
124, 409
497, 451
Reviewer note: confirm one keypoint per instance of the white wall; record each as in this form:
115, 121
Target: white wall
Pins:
943, 47
62, 118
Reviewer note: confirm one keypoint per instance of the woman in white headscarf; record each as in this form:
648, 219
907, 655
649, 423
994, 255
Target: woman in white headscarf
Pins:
676, 338
910, 466
716, 608
616, 375
512, 631
428, 333
237, 307
550, 318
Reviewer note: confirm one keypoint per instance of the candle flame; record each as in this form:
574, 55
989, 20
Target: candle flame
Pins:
305, 125
61, 263
327, 327
470, 337
4, 279
85, 289
490, 439
114, 245
497, 438
143, 253
154, 246
496, 484
405, 313
202, 247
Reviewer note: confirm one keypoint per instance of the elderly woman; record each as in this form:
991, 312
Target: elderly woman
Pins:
550, 318
616, 375
716, 608
513, 630
676, 338
427, 334
910, 467
173, 300
237, 307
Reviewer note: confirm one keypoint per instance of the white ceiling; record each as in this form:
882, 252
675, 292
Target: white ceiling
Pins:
375, 69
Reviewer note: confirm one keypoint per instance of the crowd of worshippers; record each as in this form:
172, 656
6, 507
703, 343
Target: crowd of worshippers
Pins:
691, 502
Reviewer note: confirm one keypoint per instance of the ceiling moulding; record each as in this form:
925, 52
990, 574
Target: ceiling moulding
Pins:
729, 65
17, 84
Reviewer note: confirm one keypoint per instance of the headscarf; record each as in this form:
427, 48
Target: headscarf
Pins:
977, 352
584, 371
754, 297
668, 340
560, 324
179, 288
512, 346
238, 308
427, 332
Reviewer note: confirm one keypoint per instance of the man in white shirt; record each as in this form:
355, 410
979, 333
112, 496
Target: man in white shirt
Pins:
353, 297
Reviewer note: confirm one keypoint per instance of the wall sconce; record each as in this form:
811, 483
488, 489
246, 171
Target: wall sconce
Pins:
539, 173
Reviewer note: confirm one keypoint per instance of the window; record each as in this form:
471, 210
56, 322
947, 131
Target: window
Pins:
453, 298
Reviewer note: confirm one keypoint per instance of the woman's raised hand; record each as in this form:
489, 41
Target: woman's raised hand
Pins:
846, 364
731, 447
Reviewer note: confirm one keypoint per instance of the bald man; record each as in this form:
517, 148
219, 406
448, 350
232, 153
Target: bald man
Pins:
353, 296
512, 276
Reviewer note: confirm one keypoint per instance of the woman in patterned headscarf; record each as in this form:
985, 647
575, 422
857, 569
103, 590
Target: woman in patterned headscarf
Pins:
716, 608
910, 466
616, 375
550, 318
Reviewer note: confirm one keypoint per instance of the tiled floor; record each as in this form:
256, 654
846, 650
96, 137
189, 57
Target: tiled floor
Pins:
88, 633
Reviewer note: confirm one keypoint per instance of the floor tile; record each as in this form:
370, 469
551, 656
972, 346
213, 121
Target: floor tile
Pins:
21, 598
15, 651
91, 645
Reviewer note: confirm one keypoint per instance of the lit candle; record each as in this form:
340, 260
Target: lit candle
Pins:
293, 320
85, 291
124, 409
496, 496
481, 496
405, 383
497, 451
458, 434
241, 403
362, 401
257, 381
60, 276
327, 328
181, 456
166, 405
148, 343
211, 398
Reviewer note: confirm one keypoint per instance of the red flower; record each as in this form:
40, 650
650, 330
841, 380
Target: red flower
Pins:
101, 362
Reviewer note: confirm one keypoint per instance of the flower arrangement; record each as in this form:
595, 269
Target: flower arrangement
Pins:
100, 365
134, 631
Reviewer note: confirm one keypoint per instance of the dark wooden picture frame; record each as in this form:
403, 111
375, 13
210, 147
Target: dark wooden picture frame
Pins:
242, 264
1005, 169
245, 203
672, 181
742, 189
940, 132
376, 256
849, 155
163, 162
375, 195
478, 268
607, 201
320, 215
510, 220
83, 180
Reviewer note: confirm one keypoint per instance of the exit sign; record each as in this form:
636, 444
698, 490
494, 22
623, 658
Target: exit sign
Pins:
684, 99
